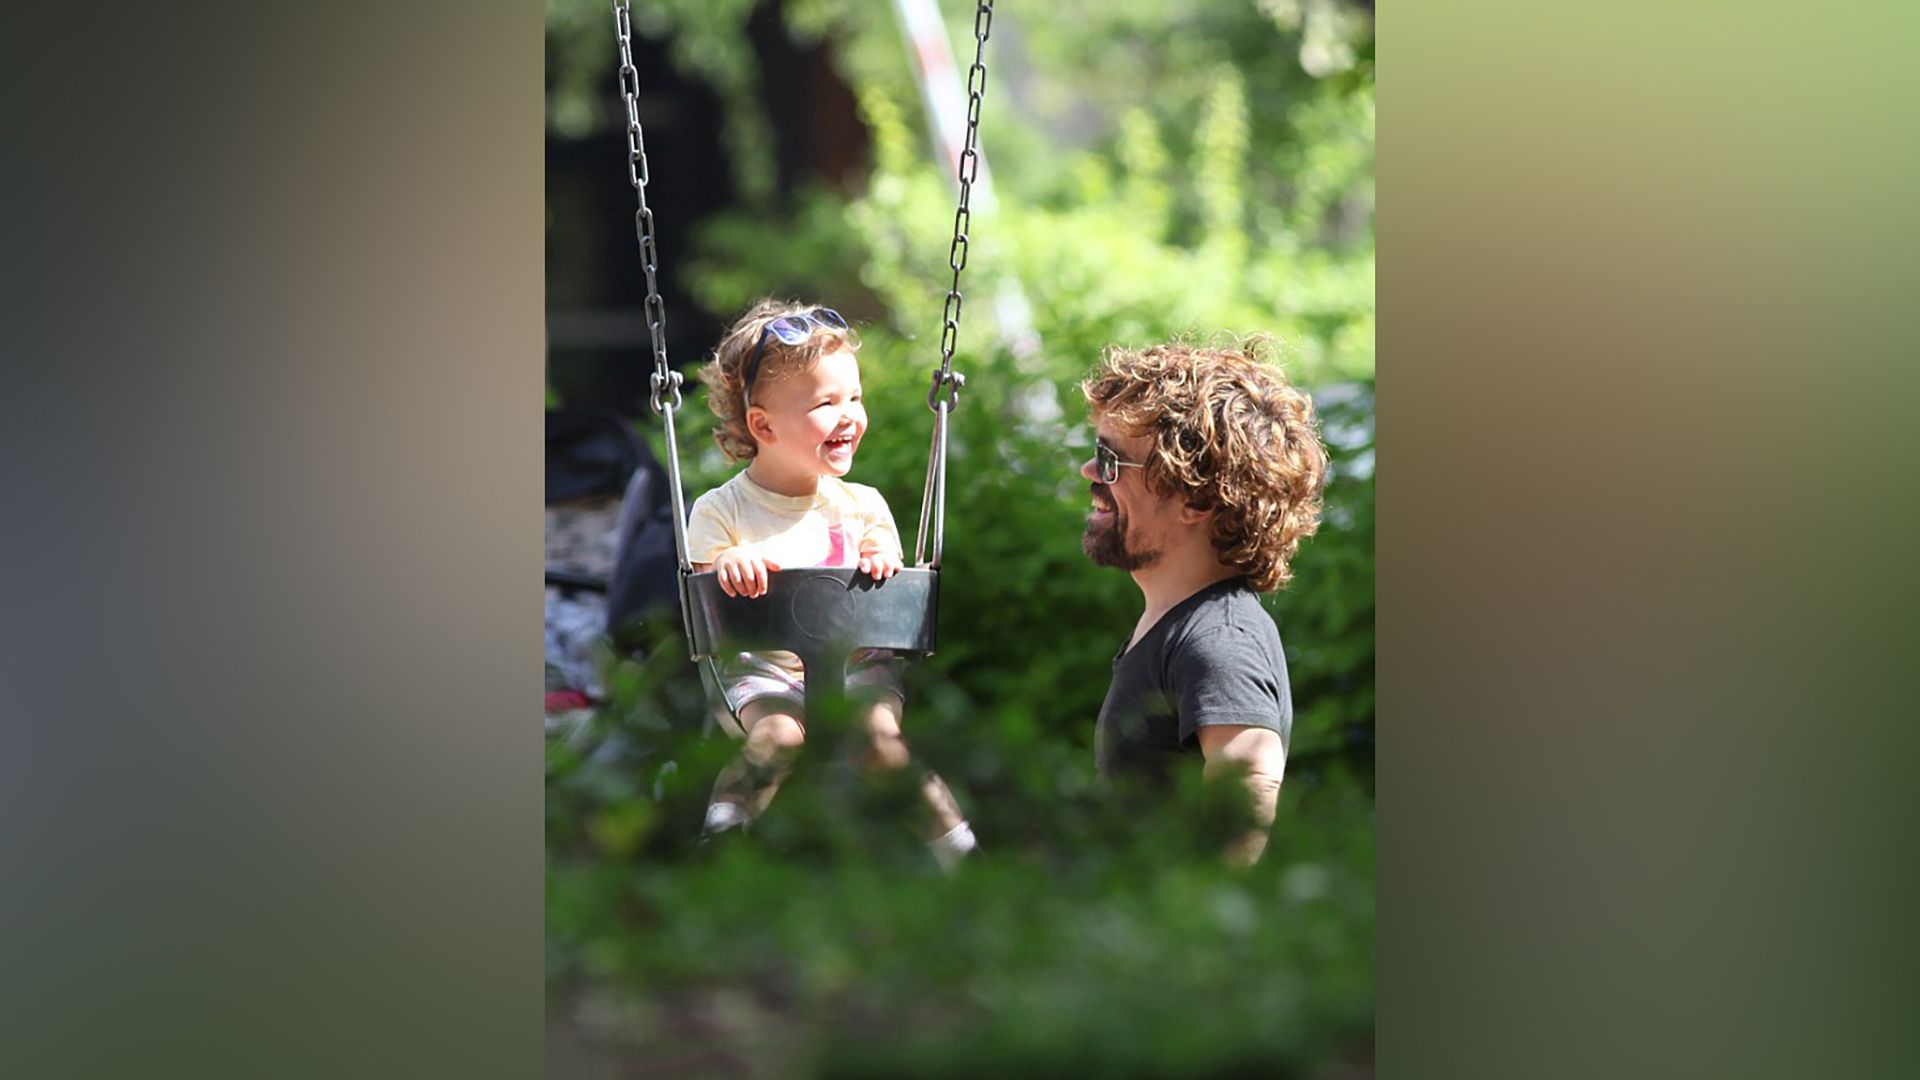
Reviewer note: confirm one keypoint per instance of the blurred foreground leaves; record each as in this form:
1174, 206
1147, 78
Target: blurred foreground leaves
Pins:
1095, 931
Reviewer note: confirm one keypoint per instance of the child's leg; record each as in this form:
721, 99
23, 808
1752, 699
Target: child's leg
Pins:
732, 791
774, 733
887, 749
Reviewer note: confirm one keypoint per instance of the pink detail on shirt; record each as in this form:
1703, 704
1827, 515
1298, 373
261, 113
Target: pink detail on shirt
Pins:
838, 553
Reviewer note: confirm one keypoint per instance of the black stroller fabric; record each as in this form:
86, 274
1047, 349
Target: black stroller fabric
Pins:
646, 582
592, 453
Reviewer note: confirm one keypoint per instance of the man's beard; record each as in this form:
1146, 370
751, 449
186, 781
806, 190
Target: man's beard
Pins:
1106, 544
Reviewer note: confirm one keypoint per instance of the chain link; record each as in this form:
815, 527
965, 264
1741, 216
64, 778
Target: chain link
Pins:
945, 378
944, 395
665, 381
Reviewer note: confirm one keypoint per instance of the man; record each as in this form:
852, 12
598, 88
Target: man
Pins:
1207, 474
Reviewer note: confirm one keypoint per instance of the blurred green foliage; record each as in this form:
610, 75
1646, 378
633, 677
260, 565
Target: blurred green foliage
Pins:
1161, 169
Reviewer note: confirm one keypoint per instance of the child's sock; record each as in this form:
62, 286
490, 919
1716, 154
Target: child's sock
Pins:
949, 849
722, 816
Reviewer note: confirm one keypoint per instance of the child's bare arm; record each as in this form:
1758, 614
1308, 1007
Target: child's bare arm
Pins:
880, 548
742, 571
878, 560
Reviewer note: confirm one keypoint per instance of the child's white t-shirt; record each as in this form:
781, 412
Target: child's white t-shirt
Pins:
792, 531
826, 528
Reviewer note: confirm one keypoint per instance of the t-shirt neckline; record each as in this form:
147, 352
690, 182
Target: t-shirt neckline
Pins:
784, 502
1178, 609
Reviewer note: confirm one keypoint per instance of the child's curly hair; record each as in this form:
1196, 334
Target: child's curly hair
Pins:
726, 374
1231, 435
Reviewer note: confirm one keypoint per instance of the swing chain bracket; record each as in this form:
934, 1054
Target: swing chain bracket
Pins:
953, 381
665, 383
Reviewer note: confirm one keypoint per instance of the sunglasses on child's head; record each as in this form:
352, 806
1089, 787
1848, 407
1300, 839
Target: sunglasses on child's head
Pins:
791, 330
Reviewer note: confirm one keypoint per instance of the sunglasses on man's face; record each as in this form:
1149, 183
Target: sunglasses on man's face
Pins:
1107, 464
791, 330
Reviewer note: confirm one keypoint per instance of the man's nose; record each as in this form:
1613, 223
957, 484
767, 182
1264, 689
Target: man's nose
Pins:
1090, 469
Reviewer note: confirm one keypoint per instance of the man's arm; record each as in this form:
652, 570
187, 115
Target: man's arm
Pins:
1258, 756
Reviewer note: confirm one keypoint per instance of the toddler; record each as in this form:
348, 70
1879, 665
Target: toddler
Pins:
785, 384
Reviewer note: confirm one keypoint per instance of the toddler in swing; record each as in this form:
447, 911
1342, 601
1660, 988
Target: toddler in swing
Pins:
785, 384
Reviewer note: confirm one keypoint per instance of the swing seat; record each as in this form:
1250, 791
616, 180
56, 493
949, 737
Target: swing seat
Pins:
823, 615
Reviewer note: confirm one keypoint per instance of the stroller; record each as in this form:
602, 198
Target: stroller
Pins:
609, 551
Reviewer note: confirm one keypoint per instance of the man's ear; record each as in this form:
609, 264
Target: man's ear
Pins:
1194, 515
758, 425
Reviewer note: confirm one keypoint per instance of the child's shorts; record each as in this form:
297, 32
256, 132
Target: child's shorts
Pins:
749, 677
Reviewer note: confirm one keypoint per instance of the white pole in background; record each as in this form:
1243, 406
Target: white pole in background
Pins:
944, 94
942, 90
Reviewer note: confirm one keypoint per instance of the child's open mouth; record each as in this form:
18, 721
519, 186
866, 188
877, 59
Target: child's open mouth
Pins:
839, 444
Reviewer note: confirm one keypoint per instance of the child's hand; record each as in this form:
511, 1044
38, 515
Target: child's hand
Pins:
742, 572
879, 565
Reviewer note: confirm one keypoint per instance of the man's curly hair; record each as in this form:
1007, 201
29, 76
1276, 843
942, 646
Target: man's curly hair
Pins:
1231, 435
725, 375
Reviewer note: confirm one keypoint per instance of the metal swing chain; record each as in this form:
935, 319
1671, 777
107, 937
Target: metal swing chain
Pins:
933, 500
665, 382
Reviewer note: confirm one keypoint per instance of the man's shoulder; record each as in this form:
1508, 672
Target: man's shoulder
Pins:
1223, 632
1228, 610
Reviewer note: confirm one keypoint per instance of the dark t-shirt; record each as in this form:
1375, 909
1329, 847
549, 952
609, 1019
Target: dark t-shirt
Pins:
1214, 658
